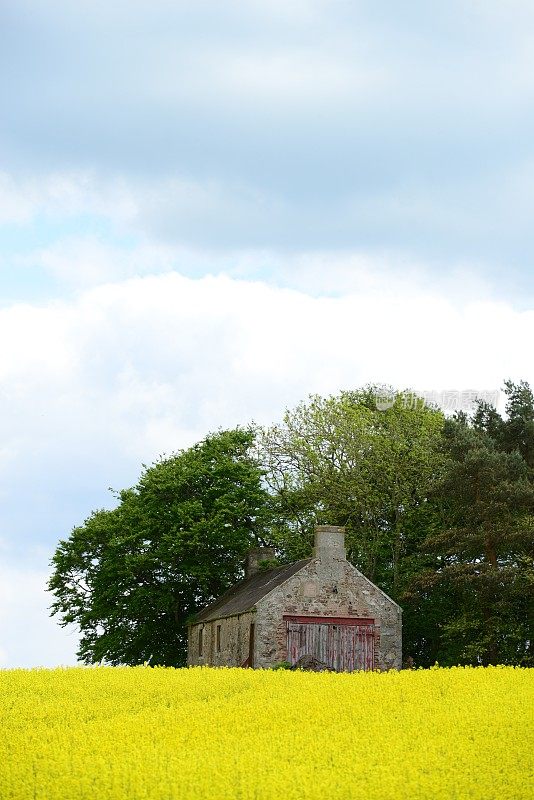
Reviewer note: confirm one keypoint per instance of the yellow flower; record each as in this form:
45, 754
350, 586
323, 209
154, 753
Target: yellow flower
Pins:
219, 734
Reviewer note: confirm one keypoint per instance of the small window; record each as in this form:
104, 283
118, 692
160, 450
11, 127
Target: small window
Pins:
251, 646
218, 638
200, 641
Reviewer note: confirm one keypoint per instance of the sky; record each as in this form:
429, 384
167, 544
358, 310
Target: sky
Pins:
209, 211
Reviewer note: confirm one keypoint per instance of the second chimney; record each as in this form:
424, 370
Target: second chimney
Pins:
254, 556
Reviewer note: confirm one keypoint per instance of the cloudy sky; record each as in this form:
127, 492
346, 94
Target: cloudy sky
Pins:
210, 210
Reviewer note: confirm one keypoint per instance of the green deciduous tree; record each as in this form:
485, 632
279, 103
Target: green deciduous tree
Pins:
347, 460
129, 578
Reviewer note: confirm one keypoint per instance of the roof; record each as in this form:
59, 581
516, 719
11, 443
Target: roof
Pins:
244, 595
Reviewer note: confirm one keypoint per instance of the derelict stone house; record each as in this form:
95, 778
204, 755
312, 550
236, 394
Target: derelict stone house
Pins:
321, 608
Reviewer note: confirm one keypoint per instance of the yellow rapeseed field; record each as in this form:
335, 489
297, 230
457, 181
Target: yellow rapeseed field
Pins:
158, 734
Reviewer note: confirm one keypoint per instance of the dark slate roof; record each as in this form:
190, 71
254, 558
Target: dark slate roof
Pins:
244, 595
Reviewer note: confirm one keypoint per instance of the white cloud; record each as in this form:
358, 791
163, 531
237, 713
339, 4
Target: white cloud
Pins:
193, 354
63, 194
279, 124
298, 77
86, 260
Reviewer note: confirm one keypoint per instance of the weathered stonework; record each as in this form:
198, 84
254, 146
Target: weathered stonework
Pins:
325, 586
355, 597
233, 637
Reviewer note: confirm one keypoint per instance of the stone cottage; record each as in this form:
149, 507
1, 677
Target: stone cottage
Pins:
321, 609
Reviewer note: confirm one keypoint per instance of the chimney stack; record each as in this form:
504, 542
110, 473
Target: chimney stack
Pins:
329, 542
254, 556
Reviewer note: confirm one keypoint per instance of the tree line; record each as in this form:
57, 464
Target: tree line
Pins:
439, 513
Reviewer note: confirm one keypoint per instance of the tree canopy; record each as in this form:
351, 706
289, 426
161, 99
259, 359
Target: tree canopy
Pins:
439, 513
129, 578
344, 461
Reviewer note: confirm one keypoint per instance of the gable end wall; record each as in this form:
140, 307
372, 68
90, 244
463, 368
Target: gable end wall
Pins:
311, 592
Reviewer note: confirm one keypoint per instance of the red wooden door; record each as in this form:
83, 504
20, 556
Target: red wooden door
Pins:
344, 644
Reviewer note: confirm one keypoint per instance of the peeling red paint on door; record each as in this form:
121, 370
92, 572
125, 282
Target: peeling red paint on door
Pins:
343, 644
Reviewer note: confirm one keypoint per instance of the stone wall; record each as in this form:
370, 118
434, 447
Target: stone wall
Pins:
234, 641
328, 586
